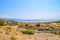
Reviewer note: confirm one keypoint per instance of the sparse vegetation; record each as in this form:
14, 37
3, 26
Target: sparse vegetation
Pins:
1, 23
38, 25
28, 31
26, 25
29, 27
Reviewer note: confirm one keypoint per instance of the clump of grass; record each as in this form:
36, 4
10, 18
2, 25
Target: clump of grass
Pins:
13, 38
8, 28
46, 39
28, 31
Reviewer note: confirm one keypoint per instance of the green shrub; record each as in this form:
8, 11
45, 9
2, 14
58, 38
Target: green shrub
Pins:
1, 23
28, 31
29, 27
38, 25
26, 25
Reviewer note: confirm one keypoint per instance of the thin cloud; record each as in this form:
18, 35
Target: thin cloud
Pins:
47, 16
5, 16
41, 16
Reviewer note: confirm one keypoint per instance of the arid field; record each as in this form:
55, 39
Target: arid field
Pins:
10, 30
7, 33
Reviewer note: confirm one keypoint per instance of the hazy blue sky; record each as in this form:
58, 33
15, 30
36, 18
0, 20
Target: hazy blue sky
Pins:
30, 9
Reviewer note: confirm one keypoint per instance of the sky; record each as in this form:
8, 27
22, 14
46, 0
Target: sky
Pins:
30, 9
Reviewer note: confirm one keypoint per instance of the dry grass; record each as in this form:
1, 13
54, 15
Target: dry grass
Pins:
9, 33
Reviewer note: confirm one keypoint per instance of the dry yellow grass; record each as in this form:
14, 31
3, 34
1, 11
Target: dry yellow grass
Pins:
9, 33
12, 34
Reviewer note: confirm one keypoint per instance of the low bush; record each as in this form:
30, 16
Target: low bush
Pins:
29, 27
1, 23
28, 31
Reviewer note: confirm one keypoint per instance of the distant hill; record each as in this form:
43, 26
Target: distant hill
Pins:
57, 21
14, 19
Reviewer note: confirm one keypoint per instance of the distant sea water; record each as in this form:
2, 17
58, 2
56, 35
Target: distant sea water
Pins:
35, 21
21, 20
